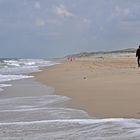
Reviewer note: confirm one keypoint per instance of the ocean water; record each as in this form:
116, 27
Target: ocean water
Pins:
32, 111
15, 69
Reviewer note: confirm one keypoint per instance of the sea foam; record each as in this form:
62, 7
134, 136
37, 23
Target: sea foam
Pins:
16, 69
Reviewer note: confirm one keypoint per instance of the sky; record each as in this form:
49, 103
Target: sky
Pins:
55, 28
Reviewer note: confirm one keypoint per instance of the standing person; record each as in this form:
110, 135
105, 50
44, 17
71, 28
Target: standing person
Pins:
138, 56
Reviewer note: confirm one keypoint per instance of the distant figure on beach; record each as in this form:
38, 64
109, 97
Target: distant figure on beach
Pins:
138, 56
70, 59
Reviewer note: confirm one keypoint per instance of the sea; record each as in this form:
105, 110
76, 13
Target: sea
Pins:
30, 110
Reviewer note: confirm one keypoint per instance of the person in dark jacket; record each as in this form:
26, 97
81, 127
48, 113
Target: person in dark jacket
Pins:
138, 56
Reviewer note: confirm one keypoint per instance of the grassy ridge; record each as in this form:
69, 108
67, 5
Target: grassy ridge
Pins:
84, 54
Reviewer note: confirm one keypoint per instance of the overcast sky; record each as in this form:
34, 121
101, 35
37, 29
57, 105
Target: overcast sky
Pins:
53, 28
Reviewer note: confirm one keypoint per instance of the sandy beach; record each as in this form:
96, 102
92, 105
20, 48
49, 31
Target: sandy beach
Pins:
73, 101
103, 86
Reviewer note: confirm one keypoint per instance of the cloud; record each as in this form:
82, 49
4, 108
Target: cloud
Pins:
127, 14
121, 12
52, 21
40, 22
37, 5
63, 12
86, 20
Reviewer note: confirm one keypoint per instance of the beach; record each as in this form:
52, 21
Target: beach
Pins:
105, 87
93, 98
69, 70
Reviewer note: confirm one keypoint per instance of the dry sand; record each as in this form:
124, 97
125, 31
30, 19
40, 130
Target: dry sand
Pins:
103, 86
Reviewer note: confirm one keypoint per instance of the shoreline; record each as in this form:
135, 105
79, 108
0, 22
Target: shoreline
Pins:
103, 87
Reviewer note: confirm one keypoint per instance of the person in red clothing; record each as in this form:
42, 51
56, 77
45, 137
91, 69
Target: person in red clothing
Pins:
138, 56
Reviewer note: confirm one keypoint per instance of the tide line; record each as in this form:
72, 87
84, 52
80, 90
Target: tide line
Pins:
77, 121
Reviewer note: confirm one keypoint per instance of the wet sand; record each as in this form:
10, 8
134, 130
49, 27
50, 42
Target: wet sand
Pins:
31, 111
105, 86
